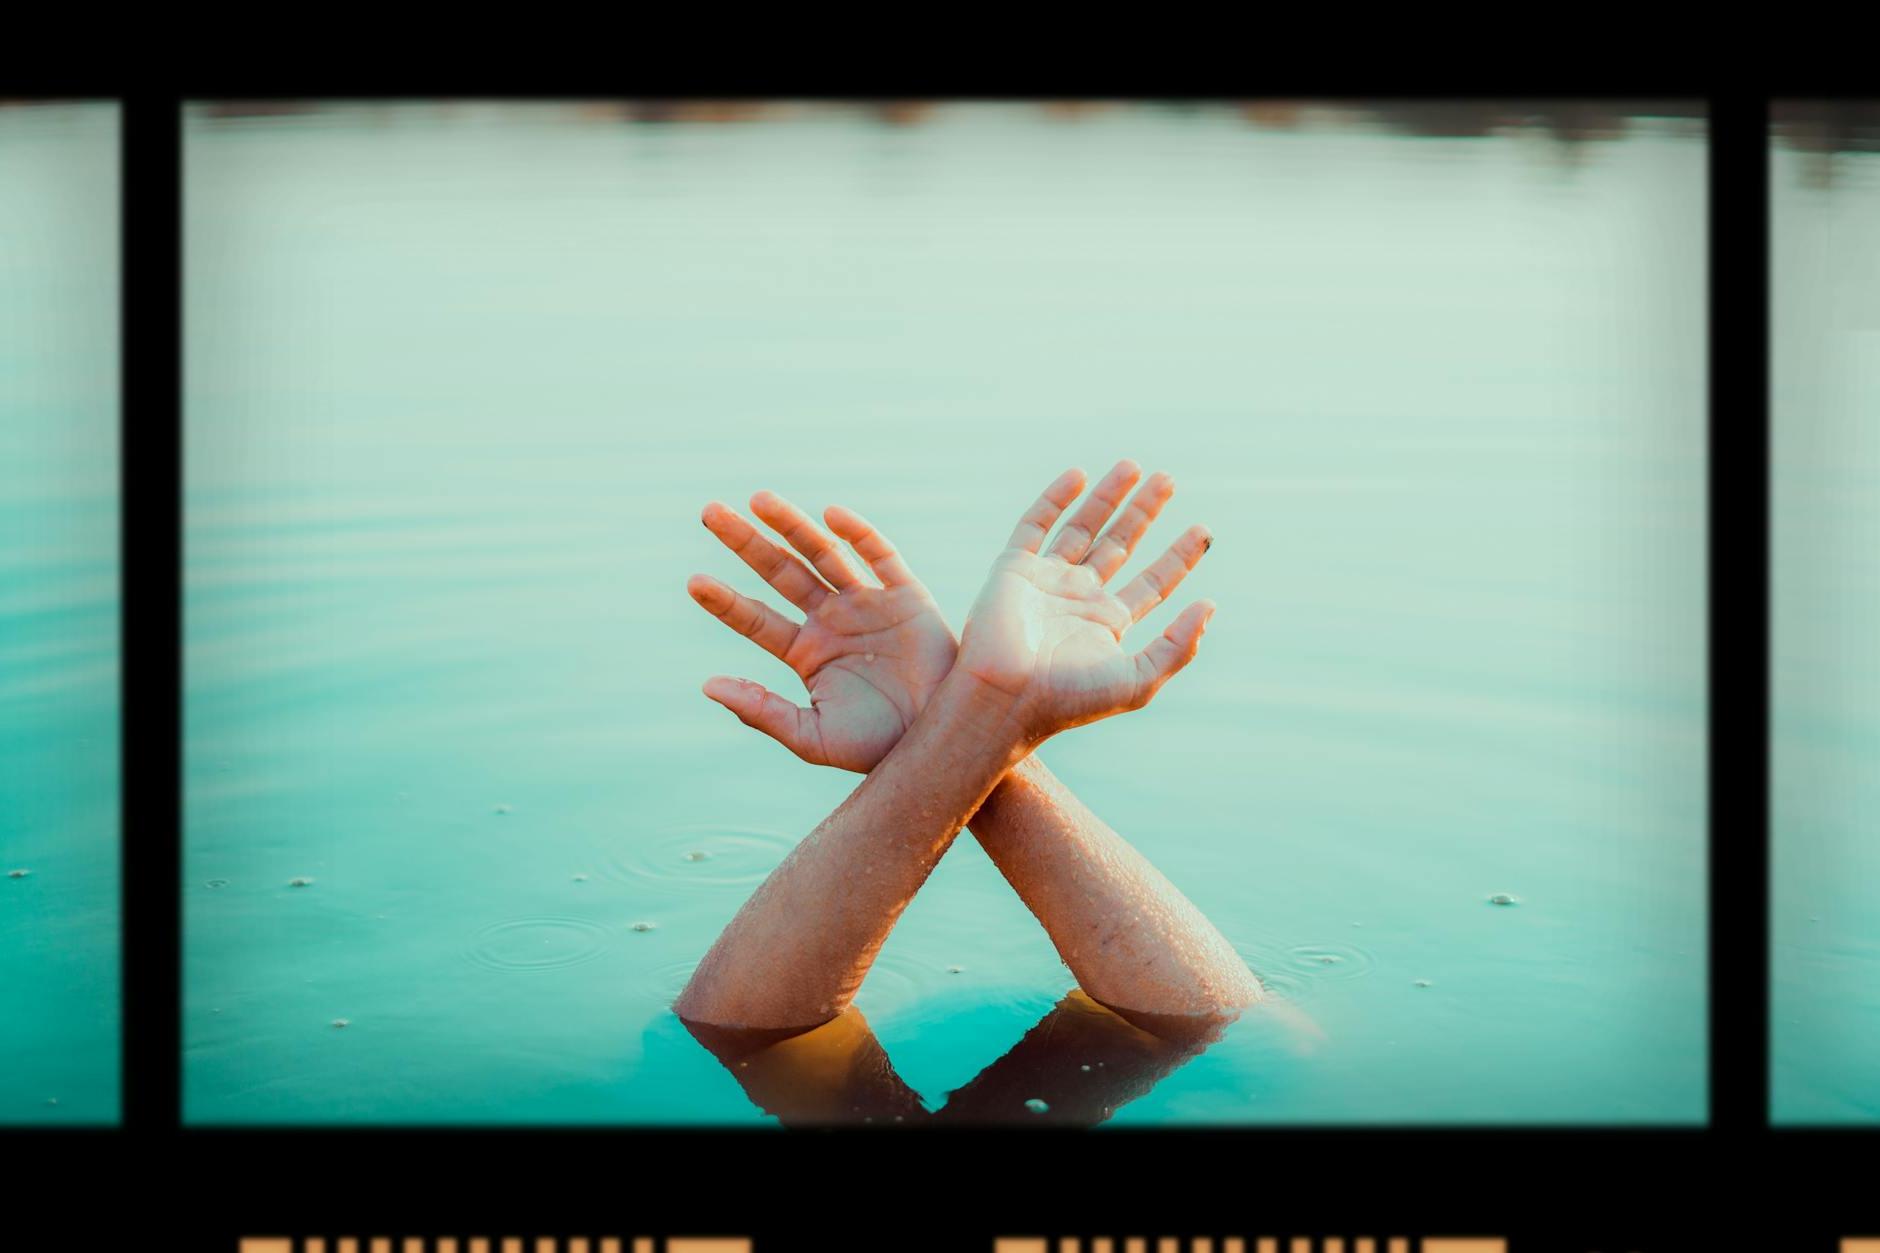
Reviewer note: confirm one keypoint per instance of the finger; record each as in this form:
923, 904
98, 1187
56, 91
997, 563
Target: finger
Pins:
1171, 650
1037, 522
1108, 554
1165, 573
869, 544
781, 570
790, 725
1074, 540
807, 538
764, 626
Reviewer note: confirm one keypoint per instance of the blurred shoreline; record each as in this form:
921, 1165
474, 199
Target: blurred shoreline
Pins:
1570, 121
1823, 131
1827, 125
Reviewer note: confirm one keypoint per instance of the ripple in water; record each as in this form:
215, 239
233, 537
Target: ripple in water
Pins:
1270, 965
538, 944
661, 983
700, 858
1331, 961
898, 982
1280, 983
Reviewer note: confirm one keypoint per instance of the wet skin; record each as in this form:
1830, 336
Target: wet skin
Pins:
947, 734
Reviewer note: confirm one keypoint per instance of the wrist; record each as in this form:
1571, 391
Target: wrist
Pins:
974, 712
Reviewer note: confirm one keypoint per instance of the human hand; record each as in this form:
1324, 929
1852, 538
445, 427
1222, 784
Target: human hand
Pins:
1046, 633
869, 656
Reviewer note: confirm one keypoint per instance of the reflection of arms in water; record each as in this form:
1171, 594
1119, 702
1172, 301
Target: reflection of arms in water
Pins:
1080, 1060
835, 1073
871, 657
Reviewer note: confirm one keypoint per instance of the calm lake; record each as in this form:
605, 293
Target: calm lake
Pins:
59, 614
459, 380
1825, 785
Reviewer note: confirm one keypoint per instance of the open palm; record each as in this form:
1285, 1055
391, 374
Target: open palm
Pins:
871, 656
1045, 629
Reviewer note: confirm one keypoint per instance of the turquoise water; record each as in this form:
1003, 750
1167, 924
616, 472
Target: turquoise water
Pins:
1826, 696
59, 614
459, 381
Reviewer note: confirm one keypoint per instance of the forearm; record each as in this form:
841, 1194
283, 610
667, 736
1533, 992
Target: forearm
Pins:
1129, 936
797, 951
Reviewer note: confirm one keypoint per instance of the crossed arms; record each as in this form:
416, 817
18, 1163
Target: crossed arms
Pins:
945, 731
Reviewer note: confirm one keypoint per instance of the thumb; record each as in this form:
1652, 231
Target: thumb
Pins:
756, 706
1173, 649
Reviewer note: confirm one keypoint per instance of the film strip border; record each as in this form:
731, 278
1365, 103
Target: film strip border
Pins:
1001, 1244
1258, 1244
491, 1244
1303, 1244
1004, 1244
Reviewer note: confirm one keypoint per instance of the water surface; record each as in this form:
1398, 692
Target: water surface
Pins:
460, 379
59, 614
1825, 784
